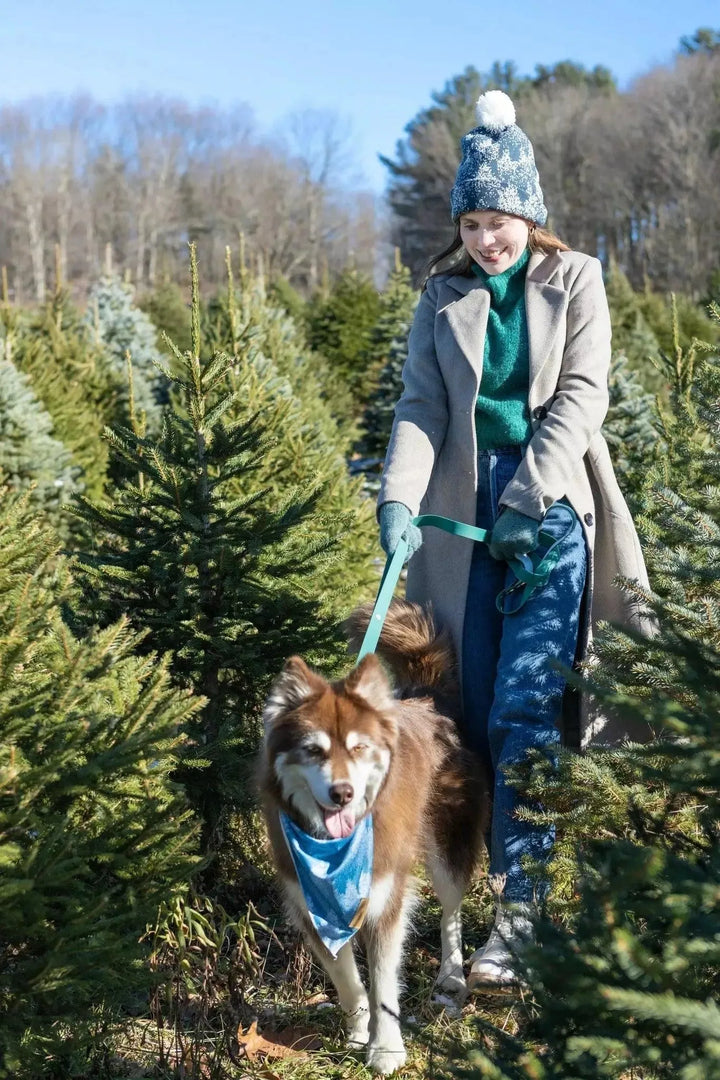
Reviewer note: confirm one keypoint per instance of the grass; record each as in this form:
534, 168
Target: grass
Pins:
287, 992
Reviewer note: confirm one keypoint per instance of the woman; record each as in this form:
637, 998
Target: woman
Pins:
505, 391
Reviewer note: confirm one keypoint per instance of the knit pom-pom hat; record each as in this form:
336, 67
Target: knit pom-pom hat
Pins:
497, 171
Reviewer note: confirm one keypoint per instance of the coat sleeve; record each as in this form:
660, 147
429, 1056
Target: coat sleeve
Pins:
557, 448
421, 414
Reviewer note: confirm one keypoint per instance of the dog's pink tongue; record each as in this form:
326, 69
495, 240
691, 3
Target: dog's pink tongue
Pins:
340, 823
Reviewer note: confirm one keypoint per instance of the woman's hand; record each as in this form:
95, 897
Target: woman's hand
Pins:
395, 523
514, 534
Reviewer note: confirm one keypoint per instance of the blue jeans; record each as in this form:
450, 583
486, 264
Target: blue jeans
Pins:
512, 696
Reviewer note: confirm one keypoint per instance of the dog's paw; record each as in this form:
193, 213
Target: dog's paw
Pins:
384, 1060
357, 1025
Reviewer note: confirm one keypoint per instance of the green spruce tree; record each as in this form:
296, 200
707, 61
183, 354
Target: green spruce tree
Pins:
69, 377
631, 333
93, 834
630, 427
30, 455
386, 358
167, 308
121, 328
282, 377
340, 328
397, 304
246, 321
677, 323
379, 415
284, 295
216, 557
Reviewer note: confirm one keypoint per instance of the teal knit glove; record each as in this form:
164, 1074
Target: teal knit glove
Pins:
395, 522
514, 534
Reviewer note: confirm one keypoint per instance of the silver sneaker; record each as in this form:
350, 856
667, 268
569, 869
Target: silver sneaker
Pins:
493, 967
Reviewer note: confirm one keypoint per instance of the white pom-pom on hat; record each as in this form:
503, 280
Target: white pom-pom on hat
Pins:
494, 111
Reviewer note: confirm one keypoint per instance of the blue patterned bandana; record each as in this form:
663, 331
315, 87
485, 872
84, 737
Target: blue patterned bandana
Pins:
335, 877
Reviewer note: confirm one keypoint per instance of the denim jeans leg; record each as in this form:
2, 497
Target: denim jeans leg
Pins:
527, 699
482, 628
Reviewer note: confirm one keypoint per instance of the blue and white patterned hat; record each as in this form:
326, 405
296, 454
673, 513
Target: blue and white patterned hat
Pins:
497, 171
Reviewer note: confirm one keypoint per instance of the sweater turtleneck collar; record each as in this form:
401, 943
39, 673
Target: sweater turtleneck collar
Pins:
499, 284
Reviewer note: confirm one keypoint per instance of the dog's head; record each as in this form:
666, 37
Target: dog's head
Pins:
328, 746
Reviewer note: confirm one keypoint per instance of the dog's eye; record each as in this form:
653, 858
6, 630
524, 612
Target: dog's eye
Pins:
315, 751
359, 748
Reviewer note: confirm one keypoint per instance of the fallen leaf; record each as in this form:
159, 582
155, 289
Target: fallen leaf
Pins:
316, 999
290, 1043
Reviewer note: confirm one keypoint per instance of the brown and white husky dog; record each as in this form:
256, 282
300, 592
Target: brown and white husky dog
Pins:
334, 752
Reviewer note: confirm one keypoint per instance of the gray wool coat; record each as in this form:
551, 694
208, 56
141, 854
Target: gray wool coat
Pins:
431, 463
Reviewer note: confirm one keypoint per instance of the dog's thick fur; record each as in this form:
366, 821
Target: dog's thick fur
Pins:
398, 756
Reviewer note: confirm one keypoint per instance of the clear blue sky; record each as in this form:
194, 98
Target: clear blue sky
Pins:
375, 62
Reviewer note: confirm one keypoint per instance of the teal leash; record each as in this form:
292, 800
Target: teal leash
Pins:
529, 575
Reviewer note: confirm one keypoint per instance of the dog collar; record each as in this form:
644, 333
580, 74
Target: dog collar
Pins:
335, 877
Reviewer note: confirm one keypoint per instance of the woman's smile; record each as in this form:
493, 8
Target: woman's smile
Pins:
493, 240
490, 256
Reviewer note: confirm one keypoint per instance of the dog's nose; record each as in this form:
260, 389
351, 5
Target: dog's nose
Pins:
341, 793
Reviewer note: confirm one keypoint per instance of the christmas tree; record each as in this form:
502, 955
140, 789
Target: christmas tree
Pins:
630, 427
29, 453
220, 556
632, 335
340, 327
386, 356
122, 329
678, 322
285, 379
166, 306
93, 834
247, 322
70, 378
396, 309
283, 295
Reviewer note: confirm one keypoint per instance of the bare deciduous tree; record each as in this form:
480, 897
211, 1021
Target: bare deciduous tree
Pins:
144, 177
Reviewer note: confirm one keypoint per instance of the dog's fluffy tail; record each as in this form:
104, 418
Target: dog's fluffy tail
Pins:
418, 655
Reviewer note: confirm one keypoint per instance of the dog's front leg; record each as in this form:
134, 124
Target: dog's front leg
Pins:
386, 1051
342, 970
351, 994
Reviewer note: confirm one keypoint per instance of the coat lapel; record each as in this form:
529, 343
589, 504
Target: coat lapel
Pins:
468, 318
545, 305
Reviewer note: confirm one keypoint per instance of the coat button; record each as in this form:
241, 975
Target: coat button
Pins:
589, 519
540, 412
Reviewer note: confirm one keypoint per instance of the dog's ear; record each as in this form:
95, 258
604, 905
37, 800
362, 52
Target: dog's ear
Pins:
369, 681
294, 685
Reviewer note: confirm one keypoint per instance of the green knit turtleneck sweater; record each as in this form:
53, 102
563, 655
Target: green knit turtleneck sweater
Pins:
501, 410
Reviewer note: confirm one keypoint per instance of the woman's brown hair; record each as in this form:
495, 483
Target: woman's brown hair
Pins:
455, 259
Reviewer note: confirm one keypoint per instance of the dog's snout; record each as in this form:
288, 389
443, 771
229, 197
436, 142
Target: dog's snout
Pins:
341, 792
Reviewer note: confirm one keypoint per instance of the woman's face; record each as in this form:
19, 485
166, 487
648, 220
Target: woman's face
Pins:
493, 239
